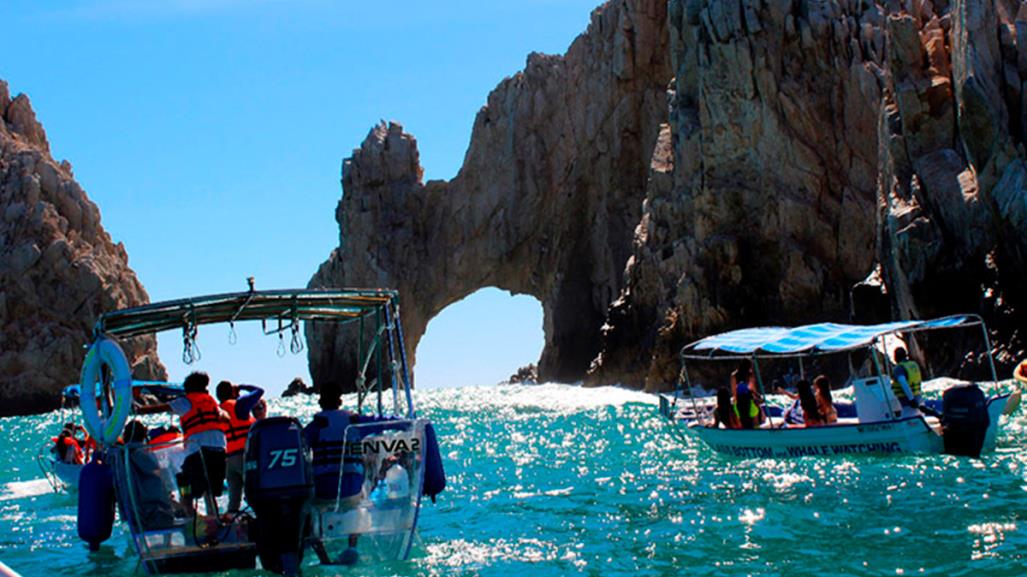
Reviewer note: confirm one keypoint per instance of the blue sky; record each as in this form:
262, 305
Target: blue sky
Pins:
211, 132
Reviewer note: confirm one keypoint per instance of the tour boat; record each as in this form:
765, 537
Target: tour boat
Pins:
388, 457
875, 423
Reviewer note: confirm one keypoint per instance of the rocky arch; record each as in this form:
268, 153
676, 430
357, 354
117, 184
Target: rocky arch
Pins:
545, 204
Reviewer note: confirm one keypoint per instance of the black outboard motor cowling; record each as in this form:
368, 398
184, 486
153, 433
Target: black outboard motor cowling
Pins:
964, 420
279, 488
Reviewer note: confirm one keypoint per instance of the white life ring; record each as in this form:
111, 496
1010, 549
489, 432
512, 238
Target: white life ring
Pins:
105, 351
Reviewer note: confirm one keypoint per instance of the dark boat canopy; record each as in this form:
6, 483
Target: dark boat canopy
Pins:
820, 338
284, 306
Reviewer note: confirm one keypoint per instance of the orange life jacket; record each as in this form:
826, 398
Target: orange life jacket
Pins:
65, 444
235, 436
203, 415
162, 440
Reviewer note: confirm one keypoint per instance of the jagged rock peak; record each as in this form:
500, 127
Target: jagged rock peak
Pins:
58, 269
387, 155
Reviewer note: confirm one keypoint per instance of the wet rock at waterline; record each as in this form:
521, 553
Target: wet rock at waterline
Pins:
298, 387
810, 161
58, 270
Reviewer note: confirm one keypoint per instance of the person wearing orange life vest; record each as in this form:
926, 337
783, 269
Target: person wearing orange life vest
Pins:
203, 424
67, 448
239, 407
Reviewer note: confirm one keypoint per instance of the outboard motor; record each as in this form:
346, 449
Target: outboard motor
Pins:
964, 420
279, 488
96, 502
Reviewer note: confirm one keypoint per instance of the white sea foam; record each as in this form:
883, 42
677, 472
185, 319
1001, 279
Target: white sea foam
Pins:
24, 489
553, 397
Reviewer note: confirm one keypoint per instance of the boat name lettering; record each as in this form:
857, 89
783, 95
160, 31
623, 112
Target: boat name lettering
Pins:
383, 446
759, 452
852, 448
809, 450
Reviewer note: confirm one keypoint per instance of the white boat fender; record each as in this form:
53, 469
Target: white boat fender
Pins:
106, 428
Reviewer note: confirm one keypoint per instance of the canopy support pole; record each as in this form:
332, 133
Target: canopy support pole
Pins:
991, 359
691, 393
763, 395
881, 376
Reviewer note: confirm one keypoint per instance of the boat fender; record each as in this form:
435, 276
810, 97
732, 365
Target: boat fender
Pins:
434, 474
106, 428
95, 503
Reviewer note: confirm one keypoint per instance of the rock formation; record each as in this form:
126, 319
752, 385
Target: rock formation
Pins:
814, 144
545, 203
58, 270
808, 145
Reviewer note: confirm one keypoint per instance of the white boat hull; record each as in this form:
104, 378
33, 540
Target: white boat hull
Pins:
60, 475
909, 435
68, 474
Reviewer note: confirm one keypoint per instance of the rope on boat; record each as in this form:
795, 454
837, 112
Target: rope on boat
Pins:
190, 350
296, 344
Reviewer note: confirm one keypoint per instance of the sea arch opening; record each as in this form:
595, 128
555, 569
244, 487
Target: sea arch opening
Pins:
482, 339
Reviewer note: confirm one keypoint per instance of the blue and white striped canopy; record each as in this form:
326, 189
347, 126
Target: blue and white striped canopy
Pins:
811, 339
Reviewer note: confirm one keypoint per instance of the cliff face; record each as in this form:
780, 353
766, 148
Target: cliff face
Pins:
808, 145
815, 144
545, 203
58, 270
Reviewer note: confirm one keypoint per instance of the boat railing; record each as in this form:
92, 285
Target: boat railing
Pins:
158, 510
381, 474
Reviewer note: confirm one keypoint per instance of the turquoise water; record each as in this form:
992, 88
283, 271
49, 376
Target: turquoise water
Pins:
559, 480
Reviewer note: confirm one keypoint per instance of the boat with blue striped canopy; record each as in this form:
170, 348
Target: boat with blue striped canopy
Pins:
964, 421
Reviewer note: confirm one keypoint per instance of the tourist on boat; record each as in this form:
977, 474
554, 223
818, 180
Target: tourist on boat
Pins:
746, 398
906, 381
725, 414
825, 403
67, 448
203, 424
238, 401
811, 416
151, 496
1020, 372
326, 435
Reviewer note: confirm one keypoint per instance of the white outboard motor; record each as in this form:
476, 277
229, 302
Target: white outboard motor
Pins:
964, 420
